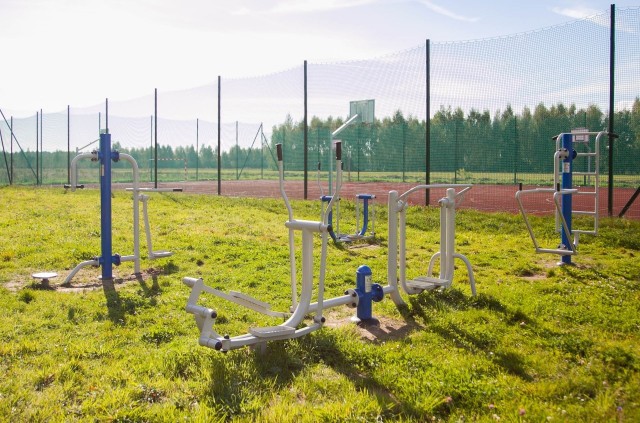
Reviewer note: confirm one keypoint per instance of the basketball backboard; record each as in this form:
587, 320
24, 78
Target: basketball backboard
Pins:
365, 109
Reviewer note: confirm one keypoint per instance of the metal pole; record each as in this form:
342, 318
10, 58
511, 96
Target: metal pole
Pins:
41, 152
219, 140
197, 148
237, 153
515, 142
455, 152
11, 149
150, 147
612, 54
105, 207
106, 115
404, 163
567, 199
358, 140
155, 132
306, 133
68, 145
427, 158
37, 155
4, 153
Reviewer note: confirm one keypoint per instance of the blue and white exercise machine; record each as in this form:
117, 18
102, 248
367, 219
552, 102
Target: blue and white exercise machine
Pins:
362, 297
361, 111
570, 147
364, 231
104, 156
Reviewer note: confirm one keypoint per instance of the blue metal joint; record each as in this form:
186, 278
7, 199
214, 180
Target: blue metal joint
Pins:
377, 292
364, 289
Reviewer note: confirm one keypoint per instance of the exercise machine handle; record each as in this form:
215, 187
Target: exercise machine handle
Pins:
338, 150
279, 151
67, 186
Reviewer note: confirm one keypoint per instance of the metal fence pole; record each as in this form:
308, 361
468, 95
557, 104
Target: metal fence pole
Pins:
427, 154
306, 133
612, 53
219, 141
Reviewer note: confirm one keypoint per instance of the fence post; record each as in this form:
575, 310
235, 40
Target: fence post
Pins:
427, 158
306, 134
68, 146
219, 141
155, 131
612, 54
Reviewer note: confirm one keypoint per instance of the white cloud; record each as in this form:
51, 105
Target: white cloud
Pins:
446, 12
311, 6
577, 12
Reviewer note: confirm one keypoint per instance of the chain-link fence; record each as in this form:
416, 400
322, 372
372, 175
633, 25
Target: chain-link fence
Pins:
493, 107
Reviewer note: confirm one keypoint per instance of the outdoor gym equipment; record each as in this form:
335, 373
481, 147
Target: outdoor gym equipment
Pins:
397, 216
44, 277
362, 297
205, 317
360, 111
107, 259
563, 177
364, 201
145, 214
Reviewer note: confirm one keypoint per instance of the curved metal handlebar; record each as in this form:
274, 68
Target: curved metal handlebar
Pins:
598, 133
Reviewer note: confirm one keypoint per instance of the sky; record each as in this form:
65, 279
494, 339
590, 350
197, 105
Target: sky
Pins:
79, 52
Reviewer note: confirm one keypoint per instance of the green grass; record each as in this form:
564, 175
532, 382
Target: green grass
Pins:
539, 342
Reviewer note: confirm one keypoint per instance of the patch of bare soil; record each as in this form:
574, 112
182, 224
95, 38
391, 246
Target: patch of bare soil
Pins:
387, 329
88, 280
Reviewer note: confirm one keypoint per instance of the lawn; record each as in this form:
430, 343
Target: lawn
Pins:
538, 342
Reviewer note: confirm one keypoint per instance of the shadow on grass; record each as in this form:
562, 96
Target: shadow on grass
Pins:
119, 306
475, 343
281, 364
277, 366
284, 362
149, 291
425, 304
114, 304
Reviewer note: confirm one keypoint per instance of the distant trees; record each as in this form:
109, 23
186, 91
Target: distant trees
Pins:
474, 141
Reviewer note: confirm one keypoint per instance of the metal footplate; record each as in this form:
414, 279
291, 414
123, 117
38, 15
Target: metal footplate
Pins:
427, 283
244, 298
272, 331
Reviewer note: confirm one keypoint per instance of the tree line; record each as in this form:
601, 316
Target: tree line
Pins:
476, 141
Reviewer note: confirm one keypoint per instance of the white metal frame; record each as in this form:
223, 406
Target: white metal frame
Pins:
137, 197
581, 138
396, 264
562, 250
560, 220
301, 307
